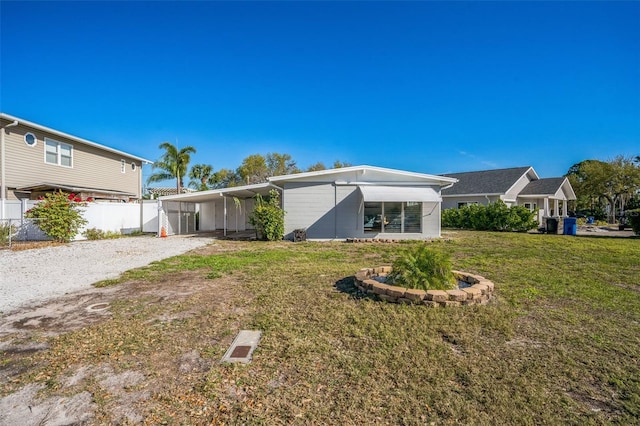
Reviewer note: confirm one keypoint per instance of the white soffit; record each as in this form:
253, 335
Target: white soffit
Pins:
399, 194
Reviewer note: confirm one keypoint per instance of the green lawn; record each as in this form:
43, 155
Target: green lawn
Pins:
560, 343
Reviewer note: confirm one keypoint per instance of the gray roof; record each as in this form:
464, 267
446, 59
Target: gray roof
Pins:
485, 182
547, 186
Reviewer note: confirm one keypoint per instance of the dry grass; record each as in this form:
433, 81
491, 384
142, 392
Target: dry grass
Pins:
28, 245
559, 345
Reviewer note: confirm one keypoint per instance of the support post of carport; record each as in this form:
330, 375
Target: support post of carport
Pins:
225, 215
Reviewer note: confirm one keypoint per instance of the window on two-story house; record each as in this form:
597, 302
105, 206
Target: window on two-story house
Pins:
58, 153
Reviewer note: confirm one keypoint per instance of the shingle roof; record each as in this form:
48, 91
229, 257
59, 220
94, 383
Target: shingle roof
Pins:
547, 186
485, 182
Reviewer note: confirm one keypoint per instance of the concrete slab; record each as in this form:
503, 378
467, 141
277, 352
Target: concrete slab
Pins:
243, 346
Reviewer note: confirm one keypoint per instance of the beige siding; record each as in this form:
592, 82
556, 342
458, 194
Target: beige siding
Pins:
92, 167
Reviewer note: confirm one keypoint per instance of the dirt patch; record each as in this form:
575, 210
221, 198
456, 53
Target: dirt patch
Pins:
83, 382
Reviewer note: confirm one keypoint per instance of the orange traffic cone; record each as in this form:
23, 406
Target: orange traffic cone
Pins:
163, 232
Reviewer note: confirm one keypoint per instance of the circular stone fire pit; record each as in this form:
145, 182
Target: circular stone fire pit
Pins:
479, 292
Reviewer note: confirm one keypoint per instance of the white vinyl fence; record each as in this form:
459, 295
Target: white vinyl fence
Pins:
124, 218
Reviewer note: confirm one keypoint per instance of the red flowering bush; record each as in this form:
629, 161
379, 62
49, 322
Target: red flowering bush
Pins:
59, 215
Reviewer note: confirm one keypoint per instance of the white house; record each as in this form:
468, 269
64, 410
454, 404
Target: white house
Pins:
517, 186
349, 202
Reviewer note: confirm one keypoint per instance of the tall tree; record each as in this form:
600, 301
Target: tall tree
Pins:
253, 169
316, 167
339, 164
626, 181
200, 175
173, 164
224, 178
613, 182
280, 164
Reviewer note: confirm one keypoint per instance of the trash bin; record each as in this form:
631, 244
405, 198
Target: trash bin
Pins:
552, 225
569, 226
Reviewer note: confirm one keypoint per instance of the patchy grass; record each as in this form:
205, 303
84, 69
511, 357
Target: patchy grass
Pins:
560, 344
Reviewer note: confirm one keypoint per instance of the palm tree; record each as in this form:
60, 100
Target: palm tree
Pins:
200, 175
173, 164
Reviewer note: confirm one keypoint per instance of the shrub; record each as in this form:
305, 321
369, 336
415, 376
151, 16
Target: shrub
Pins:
493, 217
268, 218
633, 218
423, 268
59, 215
99, 234
6, 230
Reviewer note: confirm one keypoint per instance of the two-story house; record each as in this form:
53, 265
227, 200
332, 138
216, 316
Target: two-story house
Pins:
35, 159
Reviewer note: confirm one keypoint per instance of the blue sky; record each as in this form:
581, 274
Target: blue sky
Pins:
431, 87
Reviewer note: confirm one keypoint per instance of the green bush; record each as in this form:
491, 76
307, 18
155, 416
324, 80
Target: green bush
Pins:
59, 215
268, 218
493, 217
6, 230
633, 218
99, 234
423, 268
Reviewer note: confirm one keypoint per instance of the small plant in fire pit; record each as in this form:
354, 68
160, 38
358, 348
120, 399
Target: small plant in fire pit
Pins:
423, 268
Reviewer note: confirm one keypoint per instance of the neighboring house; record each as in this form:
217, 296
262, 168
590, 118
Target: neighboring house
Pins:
35, 159
349, 202
519, 186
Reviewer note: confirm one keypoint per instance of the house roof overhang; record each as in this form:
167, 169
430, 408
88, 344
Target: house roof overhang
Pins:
398, 194
407, 176
71, 188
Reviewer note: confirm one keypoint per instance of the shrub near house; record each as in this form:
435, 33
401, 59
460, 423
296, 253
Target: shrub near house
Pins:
493, 217
59, 215
633, 218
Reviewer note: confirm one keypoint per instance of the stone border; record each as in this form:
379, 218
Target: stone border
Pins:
479, 293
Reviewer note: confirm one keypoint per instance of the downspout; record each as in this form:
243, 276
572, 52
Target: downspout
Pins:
140, 198
3, 184
335, 212
224, 200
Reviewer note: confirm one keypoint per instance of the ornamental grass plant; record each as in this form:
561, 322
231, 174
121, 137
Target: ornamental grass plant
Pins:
423, 268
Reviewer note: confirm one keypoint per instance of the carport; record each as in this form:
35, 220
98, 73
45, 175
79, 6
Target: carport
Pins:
226, 209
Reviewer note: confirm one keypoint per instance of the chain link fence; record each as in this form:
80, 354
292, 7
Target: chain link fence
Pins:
13, 231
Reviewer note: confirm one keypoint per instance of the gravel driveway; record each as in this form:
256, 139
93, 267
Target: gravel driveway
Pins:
32, 276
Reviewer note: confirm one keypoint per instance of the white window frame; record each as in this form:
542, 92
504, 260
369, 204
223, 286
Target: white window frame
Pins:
35, 139
59, 145
403, 204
